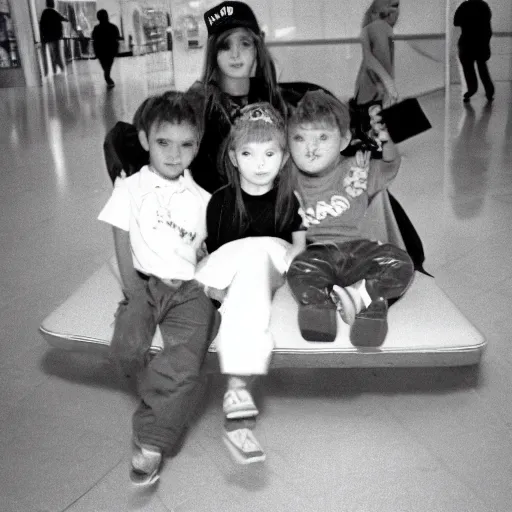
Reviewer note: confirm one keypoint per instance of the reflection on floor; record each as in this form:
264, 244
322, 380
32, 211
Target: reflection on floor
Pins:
429, 440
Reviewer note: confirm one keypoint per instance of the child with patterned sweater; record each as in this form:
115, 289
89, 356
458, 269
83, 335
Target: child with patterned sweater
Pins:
340, 269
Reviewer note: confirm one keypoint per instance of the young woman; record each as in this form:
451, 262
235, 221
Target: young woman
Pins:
375, 82
238, 71
254, 232
376, 78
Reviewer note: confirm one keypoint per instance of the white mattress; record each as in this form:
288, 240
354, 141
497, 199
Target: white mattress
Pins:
425, 328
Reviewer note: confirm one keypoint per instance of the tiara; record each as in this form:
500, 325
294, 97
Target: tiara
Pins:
256, 114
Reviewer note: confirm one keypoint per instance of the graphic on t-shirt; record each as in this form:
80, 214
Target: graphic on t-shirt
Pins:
355, 183
335, 207
356, 180
172, 222
164, 216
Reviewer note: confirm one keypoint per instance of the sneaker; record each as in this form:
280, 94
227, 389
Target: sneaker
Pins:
345, 304
371, 325
238, 403
243, 446
146, 464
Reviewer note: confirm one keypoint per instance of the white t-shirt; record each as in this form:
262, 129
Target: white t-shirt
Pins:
166, 221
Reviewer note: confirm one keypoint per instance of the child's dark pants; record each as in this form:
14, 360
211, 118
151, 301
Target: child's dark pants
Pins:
168, 384
387, 269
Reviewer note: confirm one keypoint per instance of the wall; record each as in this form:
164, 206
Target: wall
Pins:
324, 34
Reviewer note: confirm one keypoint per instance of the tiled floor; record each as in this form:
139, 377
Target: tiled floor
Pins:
415, 440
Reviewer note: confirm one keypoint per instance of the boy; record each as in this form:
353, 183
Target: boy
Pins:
339, 269
158, 217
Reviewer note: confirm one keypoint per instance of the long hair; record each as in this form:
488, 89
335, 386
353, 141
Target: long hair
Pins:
265, 72
379, 9
244, 131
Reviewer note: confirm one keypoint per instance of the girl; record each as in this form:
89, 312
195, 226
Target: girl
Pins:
375, 82
254, 232
238, 71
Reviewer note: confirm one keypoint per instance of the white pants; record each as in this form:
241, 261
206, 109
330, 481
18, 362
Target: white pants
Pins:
251, 269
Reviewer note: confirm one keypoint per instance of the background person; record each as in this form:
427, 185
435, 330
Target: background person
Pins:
375, 82
105, 40
474, 19
50, 27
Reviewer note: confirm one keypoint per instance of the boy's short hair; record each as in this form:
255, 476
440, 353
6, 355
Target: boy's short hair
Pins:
318, 107
173, 107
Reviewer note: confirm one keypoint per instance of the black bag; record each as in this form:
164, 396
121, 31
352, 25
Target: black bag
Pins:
405, 119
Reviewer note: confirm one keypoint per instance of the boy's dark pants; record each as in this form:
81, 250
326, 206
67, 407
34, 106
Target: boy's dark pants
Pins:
106, 62
169, 383
387, 269
468, 68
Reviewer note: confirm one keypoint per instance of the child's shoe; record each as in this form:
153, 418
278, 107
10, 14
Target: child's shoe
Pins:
238, 404
371, 325
146, 464
350, 300
243, 446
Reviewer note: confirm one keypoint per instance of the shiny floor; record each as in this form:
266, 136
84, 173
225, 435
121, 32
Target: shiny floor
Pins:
415, 440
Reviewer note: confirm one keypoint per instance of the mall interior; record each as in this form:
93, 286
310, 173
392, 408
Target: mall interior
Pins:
415, 439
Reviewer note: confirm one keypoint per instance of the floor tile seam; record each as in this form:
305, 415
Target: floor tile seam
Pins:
95, 484
442, 462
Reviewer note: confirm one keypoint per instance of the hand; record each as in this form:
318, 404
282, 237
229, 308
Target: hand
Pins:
172, 283
216, 293
363, 160
391, 97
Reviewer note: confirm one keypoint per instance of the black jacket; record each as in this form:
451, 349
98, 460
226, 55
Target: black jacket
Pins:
105, 39
50, 25
474, 19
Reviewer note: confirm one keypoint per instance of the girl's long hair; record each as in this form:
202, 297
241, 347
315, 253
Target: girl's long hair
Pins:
285, 182
265, 72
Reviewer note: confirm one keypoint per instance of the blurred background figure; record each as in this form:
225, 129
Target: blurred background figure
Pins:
50, 26
474, 19
106, 37
375, 82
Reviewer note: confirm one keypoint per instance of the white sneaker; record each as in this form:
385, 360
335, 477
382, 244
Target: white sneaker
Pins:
238, 403
146, 463
345, 304
243, 446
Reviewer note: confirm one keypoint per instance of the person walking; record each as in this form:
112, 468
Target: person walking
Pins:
106, 37
50, 27
375, 82
474, 19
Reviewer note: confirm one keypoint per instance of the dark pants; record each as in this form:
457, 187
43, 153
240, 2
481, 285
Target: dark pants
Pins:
468, 67
169, 383
388, 270
106, 62
55, 56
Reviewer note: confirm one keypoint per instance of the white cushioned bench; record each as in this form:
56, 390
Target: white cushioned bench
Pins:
425, 327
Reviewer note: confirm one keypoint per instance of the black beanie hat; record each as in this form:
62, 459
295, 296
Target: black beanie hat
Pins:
229, 15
